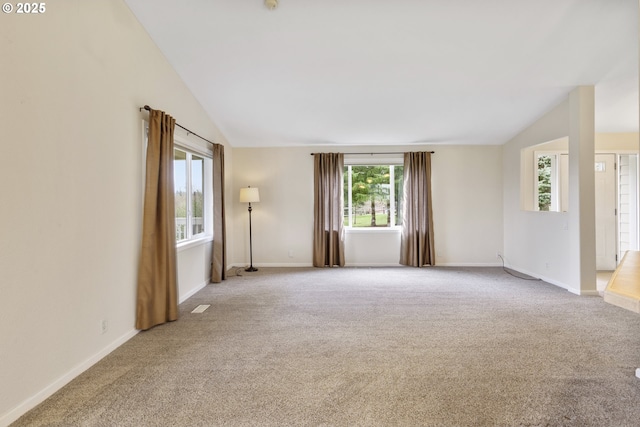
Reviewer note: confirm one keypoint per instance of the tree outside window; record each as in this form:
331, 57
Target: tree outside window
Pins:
544, 182
372, 195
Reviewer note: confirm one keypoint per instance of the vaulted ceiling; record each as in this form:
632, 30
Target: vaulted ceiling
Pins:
350, 72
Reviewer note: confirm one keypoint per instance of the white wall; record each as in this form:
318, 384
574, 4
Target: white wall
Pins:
71, 184
467, 196
610, 143
626, 142
194, 257
467, 203
194, 268
539, 243
535, 242
283, 219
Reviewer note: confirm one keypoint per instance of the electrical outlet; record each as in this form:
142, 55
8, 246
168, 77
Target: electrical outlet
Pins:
104, 325
498, 254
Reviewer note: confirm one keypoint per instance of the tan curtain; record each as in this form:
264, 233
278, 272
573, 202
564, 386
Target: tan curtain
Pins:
157, 299
218, 257
417, 247
328, 227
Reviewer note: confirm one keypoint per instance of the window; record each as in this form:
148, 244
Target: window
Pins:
544, 179
193, 188
628, 202
551, 182
373, 195
546, 170
188, 176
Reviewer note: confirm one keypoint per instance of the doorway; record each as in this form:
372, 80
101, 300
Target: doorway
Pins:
616, 197
627, 203
606, 212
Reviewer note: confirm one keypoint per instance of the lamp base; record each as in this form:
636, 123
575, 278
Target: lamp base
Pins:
251, 268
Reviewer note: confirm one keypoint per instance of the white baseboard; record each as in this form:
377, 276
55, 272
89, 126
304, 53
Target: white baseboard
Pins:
48, 391
468, 264
441, 264
592, 293
192, 292
365, 264
556, 283
272, 264
543, 278
565, 286
371, 264
551, 281
444, 264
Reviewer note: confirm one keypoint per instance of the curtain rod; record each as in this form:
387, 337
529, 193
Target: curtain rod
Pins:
146, 107
388, 152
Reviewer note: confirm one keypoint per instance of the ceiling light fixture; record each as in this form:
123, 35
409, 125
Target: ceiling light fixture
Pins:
271, 4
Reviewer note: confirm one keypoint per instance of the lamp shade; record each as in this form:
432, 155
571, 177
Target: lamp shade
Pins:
249, 195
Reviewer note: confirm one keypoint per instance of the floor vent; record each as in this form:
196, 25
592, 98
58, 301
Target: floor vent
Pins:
201, 308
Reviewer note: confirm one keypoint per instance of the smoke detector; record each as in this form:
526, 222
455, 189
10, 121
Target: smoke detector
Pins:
271, 4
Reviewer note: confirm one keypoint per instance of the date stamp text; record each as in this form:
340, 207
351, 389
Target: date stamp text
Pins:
24, 8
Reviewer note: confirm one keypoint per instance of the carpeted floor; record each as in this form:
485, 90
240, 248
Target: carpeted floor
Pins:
368, 347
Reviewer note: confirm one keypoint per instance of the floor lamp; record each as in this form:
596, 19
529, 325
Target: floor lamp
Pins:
250, 195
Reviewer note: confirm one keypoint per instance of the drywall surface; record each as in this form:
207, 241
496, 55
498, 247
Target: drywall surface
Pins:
71, 178
467, 208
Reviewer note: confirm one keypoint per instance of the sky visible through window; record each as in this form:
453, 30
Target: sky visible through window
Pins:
180, 176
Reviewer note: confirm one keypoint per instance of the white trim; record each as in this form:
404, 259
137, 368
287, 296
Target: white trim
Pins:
207, 193
542, 278
578, 292
181, 139
145, 142
192, 292
553, 282
557, 283
347, 204
48, 391
372, 264
616, 151
270, 264
188, 244
356, 230
555, 179
360, 264
467, 264
373, 159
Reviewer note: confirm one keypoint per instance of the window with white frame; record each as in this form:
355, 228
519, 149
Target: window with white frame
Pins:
373, 195
551, 181
192, 176
546, 188
544, 176
188, 179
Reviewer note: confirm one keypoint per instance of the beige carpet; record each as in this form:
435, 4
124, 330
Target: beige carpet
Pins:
369, 347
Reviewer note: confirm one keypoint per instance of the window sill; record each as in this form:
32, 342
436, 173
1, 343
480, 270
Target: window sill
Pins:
368, 230
188, 244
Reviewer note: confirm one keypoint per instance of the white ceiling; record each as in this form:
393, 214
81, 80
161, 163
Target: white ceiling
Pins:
354, 72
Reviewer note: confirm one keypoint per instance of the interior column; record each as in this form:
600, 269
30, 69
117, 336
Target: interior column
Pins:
582, 239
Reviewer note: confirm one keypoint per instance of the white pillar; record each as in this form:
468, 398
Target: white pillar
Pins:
582, 212
638, 186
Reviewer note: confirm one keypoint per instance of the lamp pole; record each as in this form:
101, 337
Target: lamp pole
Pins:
251, 267
250, 195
